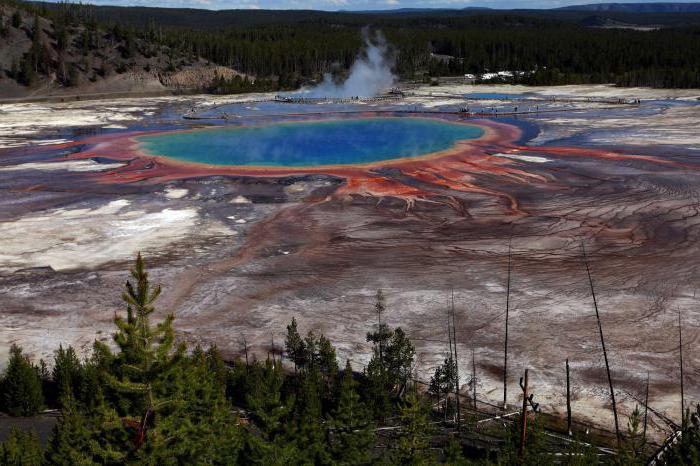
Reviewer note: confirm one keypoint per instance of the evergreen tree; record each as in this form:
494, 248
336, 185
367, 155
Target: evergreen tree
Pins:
381, 335
311, 358
453, 453
399, 359
173, 408
443, 381
270, 413
199, 427
21, 449
216, 366
89, 393
22, 393
328, 364
72, 441
351, 436
632, 452
687, 450
416, 430
535, 453
294, 345
376, 388
66, 373
308, 432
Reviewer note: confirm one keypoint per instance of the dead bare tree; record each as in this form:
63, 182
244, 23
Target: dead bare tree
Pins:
527, 399
379, 307
523, 417
602, 343
680, 357
454, 337
245, 350
568, 400
449, 338
646, 411
505, 344
473, 378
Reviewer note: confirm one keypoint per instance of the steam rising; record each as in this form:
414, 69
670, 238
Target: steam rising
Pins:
370, 75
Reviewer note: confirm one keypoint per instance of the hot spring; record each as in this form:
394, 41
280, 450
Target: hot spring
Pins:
311, 143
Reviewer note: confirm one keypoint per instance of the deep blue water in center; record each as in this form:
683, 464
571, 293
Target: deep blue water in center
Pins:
311, 143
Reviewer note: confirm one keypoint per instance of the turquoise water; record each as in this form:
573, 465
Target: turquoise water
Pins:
494, 96
311, 143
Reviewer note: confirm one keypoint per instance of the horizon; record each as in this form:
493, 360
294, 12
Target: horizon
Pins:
340, 6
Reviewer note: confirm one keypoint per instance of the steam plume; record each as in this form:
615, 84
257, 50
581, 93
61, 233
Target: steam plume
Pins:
369, 75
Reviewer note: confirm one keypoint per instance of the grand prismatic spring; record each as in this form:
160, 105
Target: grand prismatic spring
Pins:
311, 144
252, 211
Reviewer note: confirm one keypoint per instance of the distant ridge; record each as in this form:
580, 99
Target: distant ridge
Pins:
675, 7
399, 11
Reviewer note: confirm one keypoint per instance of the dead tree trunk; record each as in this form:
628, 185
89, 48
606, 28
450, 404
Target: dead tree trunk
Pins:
454, 337
449, 337
680, 356
523, 419
646, 411
474, 378
505, 344
568, 400
245, 349
605, 353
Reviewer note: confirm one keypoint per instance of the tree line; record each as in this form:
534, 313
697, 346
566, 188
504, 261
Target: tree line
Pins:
301, 47
149, 399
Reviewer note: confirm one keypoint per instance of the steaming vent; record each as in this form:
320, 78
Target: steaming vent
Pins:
369, 76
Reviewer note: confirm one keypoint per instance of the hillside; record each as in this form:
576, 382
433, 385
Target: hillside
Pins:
61, 52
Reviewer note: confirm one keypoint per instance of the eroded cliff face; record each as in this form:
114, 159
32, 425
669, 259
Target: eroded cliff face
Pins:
41, 56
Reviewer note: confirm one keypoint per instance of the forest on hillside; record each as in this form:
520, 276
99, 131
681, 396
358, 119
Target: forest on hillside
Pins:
285, 49
147, 398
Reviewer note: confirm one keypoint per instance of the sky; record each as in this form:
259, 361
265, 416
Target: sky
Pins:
334, 5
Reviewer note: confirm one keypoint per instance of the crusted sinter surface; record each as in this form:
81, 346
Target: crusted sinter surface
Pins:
241, 251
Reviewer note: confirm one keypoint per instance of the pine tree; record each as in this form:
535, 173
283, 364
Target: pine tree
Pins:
415, 434
72, 441
311, 357
90, 391
308, 432
535, 446
21, 386
454, 456
294, 345
216, 366
66, 373
148, 355
21, 449
327, 360
380, 337
270, 412
632, 451
328, 366
199, 428
376, 388
442, 383
399, 359
687, 450
351, 435
161, 407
